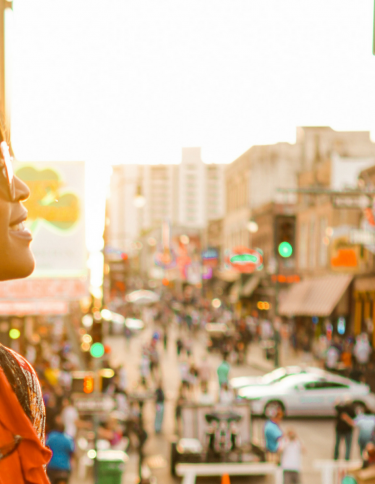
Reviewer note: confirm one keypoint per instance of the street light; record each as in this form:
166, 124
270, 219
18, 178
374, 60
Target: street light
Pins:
139, 199
252, 226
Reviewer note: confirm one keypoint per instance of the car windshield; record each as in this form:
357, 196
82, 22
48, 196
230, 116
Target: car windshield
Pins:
277, 375
274, 375
293, 380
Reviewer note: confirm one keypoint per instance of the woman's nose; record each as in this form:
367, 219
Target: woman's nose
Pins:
22, 191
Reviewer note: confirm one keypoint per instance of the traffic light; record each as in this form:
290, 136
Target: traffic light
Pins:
83, 382
96, 332
88, 384
285, 234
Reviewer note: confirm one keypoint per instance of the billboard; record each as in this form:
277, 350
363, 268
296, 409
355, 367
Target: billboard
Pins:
56, 217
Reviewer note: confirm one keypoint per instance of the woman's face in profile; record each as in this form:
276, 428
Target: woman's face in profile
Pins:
16, 259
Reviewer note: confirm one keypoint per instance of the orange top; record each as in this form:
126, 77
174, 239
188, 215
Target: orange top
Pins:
26, 464
346, 358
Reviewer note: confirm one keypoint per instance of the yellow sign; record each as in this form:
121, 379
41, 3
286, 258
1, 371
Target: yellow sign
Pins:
48, 200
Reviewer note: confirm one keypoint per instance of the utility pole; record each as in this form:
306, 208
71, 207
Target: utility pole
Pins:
4, 96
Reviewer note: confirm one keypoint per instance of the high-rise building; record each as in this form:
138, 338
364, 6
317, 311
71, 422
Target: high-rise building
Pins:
187, 195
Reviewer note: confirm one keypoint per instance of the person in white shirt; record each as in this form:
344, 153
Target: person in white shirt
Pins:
70, 418
291, 452
362, 349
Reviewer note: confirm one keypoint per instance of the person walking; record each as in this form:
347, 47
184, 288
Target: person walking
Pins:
204, 373
273, 435
365, 422
165, 339
343, 429
160, 398
223, 371
179, 346
62, 446
291, 453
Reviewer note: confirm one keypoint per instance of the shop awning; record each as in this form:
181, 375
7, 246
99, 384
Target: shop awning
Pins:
250, 286
315, 297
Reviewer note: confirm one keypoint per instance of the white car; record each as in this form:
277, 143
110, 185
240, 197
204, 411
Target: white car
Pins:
307, 394
269, 378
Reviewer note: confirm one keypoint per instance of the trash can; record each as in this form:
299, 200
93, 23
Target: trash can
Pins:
111, 466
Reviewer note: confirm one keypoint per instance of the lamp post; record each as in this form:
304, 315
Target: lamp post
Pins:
4, 95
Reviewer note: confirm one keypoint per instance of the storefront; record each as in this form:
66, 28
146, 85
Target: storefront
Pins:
364, 305
319, 305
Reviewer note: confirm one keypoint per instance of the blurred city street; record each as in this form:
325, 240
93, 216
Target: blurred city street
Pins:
316, 433
187, 242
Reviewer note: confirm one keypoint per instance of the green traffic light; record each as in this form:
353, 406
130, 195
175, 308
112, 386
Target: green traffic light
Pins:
285, 249
97, 350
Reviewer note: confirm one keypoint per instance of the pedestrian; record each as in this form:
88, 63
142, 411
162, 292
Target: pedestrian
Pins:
178, 410
273, 434
62, 447
145, 368
291, 450
204, 373
362, 350
159, 414
188, 347
332, 358
184, 374
223, 371
165, 339
179, 346
344, 431
69, 418
365, 422
154, 360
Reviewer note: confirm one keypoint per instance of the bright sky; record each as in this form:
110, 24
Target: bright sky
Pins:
133, 81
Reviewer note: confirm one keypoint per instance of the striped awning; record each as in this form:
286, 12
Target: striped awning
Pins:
315, 297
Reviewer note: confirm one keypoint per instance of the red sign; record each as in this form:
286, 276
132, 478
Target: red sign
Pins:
23, 308
245, 260
68, 289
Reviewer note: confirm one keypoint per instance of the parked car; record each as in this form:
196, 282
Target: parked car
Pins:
307, 394
269, 378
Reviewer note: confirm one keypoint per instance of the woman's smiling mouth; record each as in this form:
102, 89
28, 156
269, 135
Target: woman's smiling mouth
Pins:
18, 228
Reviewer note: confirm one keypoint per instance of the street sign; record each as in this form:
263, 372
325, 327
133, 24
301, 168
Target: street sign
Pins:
94, 404
363, 237
355, 201
245, 260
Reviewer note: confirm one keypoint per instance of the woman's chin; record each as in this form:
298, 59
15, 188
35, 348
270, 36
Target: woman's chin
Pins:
23, 267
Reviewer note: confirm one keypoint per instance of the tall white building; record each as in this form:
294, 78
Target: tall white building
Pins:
187, 195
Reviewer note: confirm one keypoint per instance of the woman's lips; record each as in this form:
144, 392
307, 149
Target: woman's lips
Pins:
19, 230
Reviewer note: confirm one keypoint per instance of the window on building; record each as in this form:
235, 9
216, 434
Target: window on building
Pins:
322, 246
303, 246
312, 248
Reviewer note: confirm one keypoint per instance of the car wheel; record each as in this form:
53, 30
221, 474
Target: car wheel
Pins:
272, 408
359, 408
